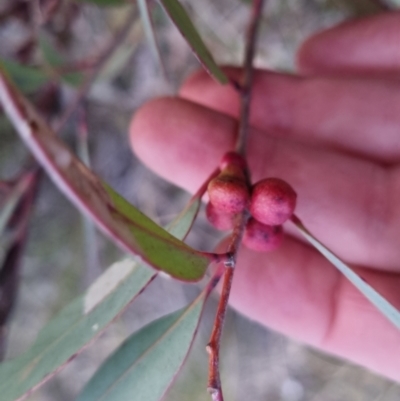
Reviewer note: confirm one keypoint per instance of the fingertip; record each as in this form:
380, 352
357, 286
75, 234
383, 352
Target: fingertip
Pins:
202, 89
179, 140
322, 51
201, 79
193, 82
144, 128
307, 56
367, 44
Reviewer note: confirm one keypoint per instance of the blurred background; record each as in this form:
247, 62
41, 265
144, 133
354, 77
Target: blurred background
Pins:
44, 40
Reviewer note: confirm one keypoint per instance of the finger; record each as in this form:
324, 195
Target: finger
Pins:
349, 204
369, 45
358, 115
294, 290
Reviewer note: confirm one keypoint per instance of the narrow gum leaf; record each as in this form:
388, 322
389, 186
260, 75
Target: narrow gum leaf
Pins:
182, 21
177, 263
81, 321
117, 218
144, 366
74, 327
145, 16
387, 309
89, 230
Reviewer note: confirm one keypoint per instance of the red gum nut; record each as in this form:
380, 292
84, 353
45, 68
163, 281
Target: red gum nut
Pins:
221, 221
272, 201
233, 159
261, 237
228, 192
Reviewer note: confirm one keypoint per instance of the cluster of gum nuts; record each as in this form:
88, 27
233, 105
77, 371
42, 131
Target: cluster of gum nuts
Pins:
270, 202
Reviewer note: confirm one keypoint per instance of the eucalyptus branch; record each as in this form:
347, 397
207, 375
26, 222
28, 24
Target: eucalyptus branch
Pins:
245, 92
213, 347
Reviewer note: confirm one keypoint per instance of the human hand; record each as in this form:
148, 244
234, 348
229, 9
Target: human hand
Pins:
334, 135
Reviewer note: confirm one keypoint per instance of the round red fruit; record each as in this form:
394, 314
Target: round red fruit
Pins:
228, 193
272, 201
261, 237
221, 221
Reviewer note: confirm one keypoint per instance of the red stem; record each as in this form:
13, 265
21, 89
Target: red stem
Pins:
213, 347
246, 92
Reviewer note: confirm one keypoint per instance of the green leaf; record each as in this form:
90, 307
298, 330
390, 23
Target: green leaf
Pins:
182, 21
143, 367
122, 222
27, 79
387, 309
160, 249
81, 321
76, 325
54, 59
149, 31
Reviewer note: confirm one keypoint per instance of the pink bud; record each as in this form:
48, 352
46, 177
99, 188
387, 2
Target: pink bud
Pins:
272, 201
261, 237
228, 192
221, 221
